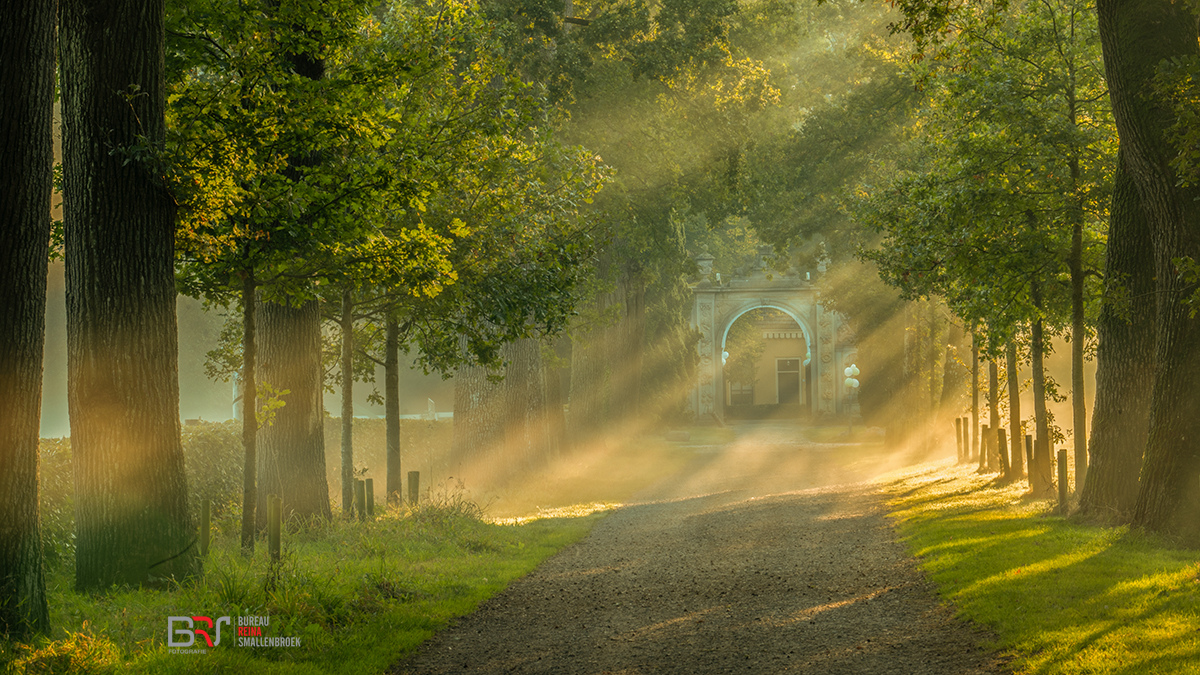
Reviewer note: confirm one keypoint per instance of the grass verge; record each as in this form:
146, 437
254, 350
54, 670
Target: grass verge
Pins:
1061, 596
359, 596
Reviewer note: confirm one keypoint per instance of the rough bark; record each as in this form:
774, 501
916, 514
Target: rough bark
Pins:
527, 428
1136, 37
503, 427
249, 411
131, 516
26, 105
478, 420
291, 449
1016, 464
347, 325
1124, 359
391, 408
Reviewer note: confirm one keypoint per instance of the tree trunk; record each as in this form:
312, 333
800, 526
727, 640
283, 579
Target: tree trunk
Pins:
1124, 359
528, 432
993, 458
1136, 37
504, 428
131, 517
1016, 464
478, 420
347, 326
1041, 480
974, 396
1078, 337
591, 371
391, 408
26, 107
291, 457
249, 410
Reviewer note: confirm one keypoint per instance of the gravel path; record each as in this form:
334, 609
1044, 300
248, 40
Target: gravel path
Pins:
760, 557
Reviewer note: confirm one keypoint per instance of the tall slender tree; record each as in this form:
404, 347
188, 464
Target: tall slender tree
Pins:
131, 517
27, 44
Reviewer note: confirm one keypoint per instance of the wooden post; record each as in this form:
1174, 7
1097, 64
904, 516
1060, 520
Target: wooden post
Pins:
414, 487
985, 437
205, 525
1028, 454
360, 499
1002, 450
958, 437
370, 490
1062, 482
274, 526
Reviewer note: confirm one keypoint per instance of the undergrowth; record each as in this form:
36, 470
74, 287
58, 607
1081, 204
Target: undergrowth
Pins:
356, 596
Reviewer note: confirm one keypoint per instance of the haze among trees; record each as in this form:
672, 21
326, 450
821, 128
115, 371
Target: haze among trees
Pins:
516, 192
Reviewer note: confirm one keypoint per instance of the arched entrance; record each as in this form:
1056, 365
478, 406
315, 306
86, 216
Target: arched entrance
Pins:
829, 342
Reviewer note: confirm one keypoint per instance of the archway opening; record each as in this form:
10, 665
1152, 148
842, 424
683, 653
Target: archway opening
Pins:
767, 367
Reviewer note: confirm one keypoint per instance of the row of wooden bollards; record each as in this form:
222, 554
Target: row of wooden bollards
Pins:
966, 453
364, 504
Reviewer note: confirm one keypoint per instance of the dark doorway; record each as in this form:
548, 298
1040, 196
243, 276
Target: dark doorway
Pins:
787, 373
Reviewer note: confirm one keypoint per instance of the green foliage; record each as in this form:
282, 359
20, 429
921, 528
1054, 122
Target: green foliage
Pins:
213, 458
1014, 147
56, 494
79, 653
318, 144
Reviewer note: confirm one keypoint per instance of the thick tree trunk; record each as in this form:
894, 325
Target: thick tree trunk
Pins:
528, 432
391, 408
1016, 466
347, 326
1124, 359
478, 419
249, 410
26, 106
503, 427
291, 449
131, 516
1136, 37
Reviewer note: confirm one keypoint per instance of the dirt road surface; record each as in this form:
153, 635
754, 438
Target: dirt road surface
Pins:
767, 555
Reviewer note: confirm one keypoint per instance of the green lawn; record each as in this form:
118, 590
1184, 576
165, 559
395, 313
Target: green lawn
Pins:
1061, 596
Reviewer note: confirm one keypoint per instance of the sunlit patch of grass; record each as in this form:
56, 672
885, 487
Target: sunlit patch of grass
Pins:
359, 595
1062, 597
